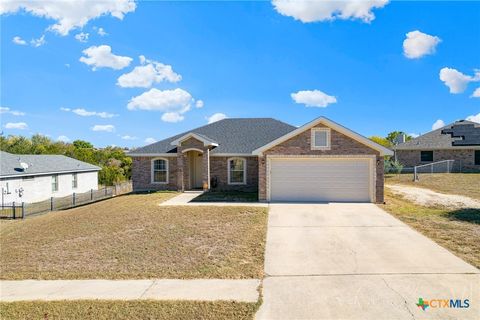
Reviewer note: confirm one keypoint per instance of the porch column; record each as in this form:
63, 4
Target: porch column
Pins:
206, 169
180, 167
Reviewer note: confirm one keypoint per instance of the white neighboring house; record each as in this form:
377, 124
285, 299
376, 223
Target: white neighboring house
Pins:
33, 178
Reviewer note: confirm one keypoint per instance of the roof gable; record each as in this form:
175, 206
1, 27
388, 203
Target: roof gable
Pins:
205, 140
329, 123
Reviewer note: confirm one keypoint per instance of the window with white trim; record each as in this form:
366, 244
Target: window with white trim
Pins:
55, 183
320, 138
160, 171
237, 171
74, 180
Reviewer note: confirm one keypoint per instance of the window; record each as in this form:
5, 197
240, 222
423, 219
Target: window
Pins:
237, 171
160, 171
477, 157
74, 181
320, 138
55, 183
426, 156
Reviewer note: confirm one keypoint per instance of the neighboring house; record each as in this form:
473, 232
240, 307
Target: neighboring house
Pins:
320, 161
459, 141
33, 178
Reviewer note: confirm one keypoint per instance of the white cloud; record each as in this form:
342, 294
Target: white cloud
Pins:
7, 110
172, 117
173, 103
474, 118
147, 74
438, 124
476, 93
63, 138
101, 32
216, 117
102, 57
127, 137
313, 11
19, 41
150, 140
456, 81
82, 36
16, 125
418, 44
104, 127
69, 14
313, 98
38, 42
199, 104
414, 135
84, 113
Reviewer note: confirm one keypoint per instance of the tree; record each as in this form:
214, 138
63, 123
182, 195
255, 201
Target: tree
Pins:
81, 144
392, 136
381, 141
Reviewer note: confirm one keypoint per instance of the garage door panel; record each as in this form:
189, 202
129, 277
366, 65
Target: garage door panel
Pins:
314, 179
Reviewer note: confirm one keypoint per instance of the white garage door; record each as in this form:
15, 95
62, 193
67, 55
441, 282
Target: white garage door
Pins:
320, 179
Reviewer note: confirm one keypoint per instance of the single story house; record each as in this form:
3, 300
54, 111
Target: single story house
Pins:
458, 141
319, 161
33, 178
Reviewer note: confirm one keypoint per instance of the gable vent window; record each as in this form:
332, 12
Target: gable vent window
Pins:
477, 157
320, 139
426, 156
160, 171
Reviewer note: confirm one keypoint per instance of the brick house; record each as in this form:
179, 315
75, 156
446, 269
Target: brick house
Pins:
320, 161
458, 141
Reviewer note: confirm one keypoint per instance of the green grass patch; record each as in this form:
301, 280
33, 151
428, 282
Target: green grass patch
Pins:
228, 196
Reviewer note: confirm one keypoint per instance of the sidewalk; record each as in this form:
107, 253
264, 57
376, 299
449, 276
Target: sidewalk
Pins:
160, 289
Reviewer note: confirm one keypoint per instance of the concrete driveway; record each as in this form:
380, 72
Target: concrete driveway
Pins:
355, 261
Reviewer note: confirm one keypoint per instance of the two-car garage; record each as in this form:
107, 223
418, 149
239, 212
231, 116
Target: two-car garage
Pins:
319, 179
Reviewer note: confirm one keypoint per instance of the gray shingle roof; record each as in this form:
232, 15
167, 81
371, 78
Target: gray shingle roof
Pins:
40, 164
437, 140
240, 135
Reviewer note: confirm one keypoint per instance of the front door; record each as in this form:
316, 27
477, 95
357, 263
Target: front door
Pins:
195, 169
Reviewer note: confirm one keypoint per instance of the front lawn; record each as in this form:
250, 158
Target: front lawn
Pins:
465, 184
132, 237
457, 230
127, 310
227, 196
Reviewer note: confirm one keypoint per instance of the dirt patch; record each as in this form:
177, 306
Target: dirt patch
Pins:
429, 198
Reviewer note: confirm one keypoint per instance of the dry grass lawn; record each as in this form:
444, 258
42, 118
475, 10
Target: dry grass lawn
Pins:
465, 184
456, 230
132, 237
127, 310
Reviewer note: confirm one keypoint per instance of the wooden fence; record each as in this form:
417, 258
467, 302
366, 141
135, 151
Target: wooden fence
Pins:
21, 210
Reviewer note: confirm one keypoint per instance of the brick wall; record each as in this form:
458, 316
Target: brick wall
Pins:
464, 158
340, 145
142, 170
219, 169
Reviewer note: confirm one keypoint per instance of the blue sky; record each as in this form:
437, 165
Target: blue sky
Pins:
240, 59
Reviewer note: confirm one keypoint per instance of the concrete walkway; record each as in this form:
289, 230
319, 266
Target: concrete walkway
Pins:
162, 289
355, 261
185, 198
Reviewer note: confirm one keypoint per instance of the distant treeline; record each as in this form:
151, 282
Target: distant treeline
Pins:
116, 165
